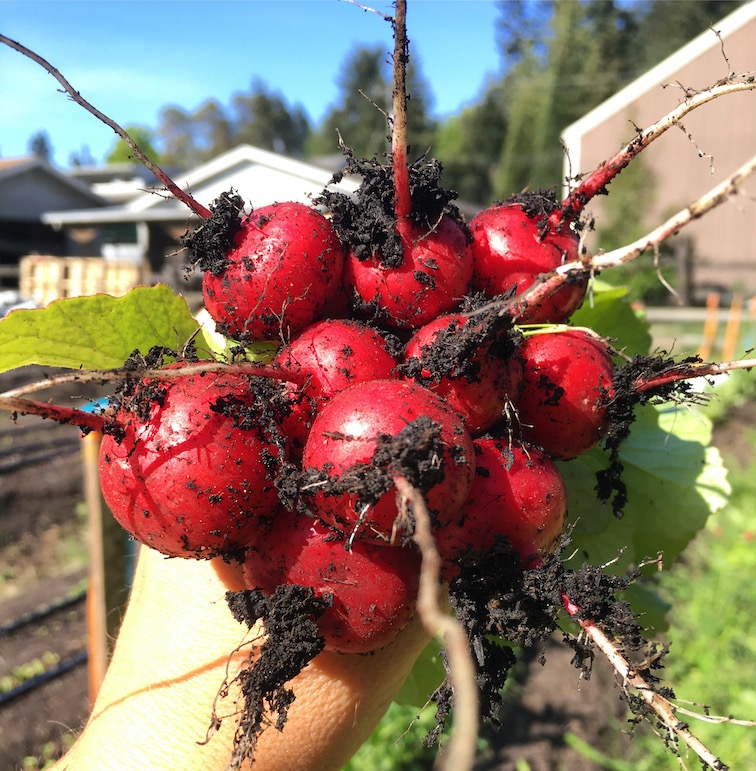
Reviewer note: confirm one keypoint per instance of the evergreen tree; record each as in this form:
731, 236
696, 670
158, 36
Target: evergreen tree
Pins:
263, 119
260, 118
469, 146
580, 61
364, 106
561, 59
40, 145
361, 111
665, 26
122, 153
177, 137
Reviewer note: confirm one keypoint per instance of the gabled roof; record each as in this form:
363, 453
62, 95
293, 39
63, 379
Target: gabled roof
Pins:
651, 79
260, 176
36, 174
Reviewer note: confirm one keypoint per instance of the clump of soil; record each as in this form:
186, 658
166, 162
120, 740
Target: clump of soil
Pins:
211, 241
367, 226
495, 599
292, 640
621, 406
456, 349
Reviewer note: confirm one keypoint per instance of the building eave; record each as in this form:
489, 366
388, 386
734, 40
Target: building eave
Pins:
116, 215
652, 79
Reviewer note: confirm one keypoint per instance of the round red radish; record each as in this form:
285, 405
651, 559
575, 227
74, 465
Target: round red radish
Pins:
334, 355
567, 382
433, 277
476, 384
517, 493
344, 440
512, 249
284, 269
193, 474
374, 588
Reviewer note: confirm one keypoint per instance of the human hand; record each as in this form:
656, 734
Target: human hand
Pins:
177, 644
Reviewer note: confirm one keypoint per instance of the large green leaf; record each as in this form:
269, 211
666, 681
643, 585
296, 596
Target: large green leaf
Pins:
674, 482
426, 675
95, 332
607, 312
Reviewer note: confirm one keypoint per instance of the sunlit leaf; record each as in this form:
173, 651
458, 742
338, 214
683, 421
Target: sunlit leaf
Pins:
95, 332
674, 481
607, 312
426, 675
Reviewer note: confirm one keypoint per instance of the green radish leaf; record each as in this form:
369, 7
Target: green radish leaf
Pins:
674, 483
95, 332
608, 313
427, 674
224, 348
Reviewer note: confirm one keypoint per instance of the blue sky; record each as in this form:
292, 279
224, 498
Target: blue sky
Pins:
131, 58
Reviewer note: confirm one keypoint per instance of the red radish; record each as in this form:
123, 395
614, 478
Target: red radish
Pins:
434, 265
193, 474
446, 356
297, 422
512, 247
374, 587
336, 354
567, 383
333, 355
517, 493
284, 268
438, 460
432, 278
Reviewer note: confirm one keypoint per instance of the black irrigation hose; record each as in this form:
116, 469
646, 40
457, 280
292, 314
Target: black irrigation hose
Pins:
31, 455
39, 613
50, 443
50, 674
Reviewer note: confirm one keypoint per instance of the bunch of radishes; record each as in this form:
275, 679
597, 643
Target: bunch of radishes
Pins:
400, 367
402, 355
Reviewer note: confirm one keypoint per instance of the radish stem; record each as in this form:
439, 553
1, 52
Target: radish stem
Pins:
402, 200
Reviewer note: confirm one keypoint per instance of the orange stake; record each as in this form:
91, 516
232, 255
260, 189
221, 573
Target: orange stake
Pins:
732, 331
710, 326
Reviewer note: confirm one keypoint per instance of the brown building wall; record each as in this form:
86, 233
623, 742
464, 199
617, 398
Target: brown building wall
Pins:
685, 162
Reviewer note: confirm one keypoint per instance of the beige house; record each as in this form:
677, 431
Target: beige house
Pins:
686, 161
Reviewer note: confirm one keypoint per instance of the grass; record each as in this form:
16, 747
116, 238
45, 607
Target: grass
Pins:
713, 631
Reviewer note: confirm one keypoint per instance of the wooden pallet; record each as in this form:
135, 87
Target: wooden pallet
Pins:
45, 278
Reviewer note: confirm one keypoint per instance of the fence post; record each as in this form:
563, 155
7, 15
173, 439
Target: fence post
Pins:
107, 593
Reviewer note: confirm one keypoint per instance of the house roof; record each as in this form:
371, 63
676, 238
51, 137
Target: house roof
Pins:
10, 163
31, 180
265, 176
651, 79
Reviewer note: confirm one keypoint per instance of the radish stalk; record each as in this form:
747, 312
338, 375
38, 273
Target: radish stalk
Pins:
655, 701
65, 415
402, 200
